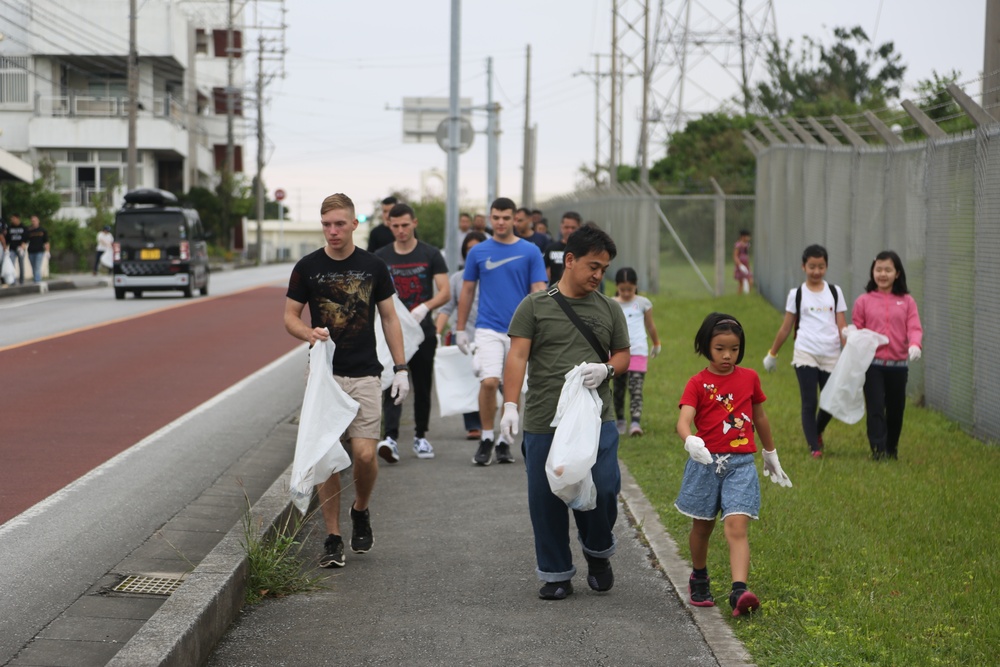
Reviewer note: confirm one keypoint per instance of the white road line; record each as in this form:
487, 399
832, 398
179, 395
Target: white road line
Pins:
43, 506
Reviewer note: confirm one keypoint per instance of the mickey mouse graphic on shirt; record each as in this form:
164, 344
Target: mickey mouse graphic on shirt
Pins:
741, 423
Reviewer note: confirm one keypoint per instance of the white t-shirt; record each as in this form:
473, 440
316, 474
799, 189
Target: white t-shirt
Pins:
635, 316
818, 334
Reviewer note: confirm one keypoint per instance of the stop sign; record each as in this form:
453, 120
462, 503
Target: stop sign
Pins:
279, 194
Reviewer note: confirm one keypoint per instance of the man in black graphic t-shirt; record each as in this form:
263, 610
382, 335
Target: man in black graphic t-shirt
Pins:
343, 286
553, 253
416, 268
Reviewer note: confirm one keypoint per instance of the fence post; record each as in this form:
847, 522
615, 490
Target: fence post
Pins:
720, 237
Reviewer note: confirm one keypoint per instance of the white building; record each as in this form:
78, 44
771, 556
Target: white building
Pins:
64, 92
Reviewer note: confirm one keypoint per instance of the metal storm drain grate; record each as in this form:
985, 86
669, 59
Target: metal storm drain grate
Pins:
142, 584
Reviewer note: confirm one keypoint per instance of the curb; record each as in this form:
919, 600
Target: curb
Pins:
56, 285
726, 648
186, 628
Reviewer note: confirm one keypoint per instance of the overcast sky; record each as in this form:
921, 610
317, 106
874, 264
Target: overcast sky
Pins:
329, 128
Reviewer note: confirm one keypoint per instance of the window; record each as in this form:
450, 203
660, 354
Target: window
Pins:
219, 101
78, 156
114, 157
110, 87
14, 81
220, 157
201, 41
219, 37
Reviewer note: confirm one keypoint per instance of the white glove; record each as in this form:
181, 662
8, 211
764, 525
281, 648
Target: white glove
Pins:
655, 352
696, 448
744, 270
509, 421
593, 375
847, 331
462, 341
914, 352
419, 312
770, 362
773, 469
400, 387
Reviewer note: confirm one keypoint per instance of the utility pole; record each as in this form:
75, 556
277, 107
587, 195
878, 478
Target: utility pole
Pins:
454, 128
230, 100
133, 97
613, 153
991, 59
492, 137
646, 75
527, 174
260, 150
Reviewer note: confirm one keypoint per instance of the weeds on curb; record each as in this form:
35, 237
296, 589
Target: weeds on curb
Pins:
274, 560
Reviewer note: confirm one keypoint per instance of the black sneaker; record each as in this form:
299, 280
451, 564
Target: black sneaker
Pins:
555, 590
700, 592
743, 602
484, 454
361, 537
333, 552
504, 454
599, 575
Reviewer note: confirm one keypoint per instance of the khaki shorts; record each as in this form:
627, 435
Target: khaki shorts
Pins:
367, 391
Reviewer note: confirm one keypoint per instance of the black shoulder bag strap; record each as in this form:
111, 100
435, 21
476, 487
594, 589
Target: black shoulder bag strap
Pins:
602, 354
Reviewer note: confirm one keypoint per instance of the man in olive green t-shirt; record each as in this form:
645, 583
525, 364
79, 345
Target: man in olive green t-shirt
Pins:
541, 333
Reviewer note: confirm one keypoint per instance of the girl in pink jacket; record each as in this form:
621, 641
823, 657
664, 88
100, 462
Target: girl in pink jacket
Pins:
887, 308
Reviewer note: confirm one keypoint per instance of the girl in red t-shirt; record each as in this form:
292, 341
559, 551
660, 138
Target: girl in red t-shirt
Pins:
724, 403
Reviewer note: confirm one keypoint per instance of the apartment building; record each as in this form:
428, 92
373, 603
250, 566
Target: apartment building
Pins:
64, 92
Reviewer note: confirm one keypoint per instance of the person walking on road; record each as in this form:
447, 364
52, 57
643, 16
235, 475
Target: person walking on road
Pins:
343, 286
417, 269
38, 247
105, 242
506, 269
553, 254
16, 236
544, 339
380, 235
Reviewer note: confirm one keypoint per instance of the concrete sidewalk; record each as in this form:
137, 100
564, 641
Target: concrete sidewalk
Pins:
57, 283
451, 581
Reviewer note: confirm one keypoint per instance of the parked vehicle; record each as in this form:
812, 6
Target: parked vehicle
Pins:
159, 245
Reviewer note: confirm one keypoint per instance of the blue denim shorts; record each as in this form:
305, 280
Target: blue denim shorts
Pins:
729, 485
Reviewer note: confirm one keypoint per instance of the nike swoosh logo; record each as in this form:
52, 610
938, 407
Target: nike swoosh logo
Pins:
490, 264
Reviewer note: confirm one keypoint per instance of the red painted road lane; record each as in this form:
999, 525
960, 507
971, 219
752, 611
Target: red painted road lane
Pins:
73, 402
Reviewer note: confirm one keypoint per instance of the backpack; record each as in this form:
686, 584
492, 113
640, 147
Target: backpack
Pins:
798, 305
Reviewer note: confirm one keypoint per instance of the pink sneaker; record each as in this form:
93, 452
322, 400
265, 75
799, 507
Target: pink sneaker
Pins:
744, 602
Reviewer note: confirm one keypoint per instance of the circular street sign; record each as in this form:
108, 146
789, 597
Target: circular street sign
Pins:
465, 135
279, 194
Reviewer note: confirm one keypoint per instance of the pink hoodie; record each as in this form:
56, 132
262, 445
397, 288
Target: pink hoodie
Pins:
894, 316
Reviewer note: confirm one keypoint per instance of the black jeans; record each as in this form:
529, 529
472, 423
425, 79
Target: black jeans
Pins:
421, 379
885, 401
813, 424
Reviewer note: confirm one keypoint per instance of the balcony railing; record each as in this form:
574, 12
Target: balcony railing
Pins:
88, 106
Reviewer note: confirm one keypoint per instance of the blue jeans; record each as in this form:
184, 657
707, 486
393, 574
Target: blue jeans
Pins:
550, 516
36, 259
19, 260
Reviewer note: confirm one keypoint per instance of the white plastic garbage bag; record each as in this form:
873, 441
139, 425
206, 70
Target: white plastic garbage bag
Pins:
7, 272
108, 259
327, 411
413, 336
574, 446
843, 396
455, 382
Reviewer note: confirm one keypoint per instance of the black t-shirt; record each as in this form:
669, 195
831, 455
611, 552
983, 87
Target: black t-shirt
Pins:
15, 236
342, 296
413, 275
553, 256
379, 237
36, 237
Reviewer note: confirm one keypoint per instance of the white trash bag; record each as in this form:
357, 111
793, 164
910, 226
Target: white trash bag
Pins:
108, 259
327, 411
574, 446
7, 272
455, 382
843, 396
413, 336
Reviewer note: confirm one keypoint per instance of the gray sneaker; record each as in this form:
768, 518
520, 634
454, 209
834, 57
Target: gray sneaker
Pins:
504, 454
422, 448
484, 454
388, 450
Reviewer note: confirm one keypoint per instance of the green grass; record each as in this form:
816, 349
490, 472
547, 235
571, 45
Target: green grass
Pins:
860, 563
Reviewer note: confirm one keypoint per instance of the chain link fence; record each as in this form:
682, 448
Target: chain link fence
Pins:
935, 203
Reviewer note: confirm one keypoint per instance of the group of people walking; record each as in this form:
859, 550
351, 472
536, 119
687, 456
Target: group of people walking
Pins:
524, 311
19, 244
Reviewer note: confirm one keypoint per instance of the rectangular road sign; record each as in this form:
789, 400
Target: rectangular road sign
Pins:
422, 115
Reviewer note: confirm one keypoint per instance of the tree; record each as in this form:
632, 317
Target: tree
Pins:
940, 106
850, 75
27, 199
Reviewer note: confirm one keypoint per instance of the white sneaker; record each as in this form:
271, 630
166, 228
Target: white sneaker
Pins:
388, 450
422, 448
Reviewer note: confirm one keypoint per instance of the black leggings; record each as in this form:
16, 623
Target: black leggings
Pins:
885, 402
421, 379
813, 424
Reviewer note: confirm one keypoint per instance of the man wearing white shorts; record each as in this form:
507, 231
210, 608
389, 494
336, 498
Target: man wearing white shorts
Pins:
507, 269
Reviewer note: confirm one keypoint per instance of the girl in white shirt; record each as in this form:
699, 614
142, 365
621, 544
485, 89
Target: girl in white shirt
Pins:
639, 316
815, 312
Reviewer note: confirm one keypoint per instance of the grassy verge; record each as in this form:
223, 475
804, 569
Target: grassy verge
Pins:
860, 563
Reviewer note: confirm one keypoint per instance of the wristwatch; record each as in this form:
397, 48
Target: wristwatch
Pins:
611, 371
400, 367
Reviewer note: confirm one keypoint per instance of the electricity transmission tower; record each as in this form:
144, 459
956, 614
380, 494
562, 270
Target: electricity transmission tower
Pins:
692, 57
